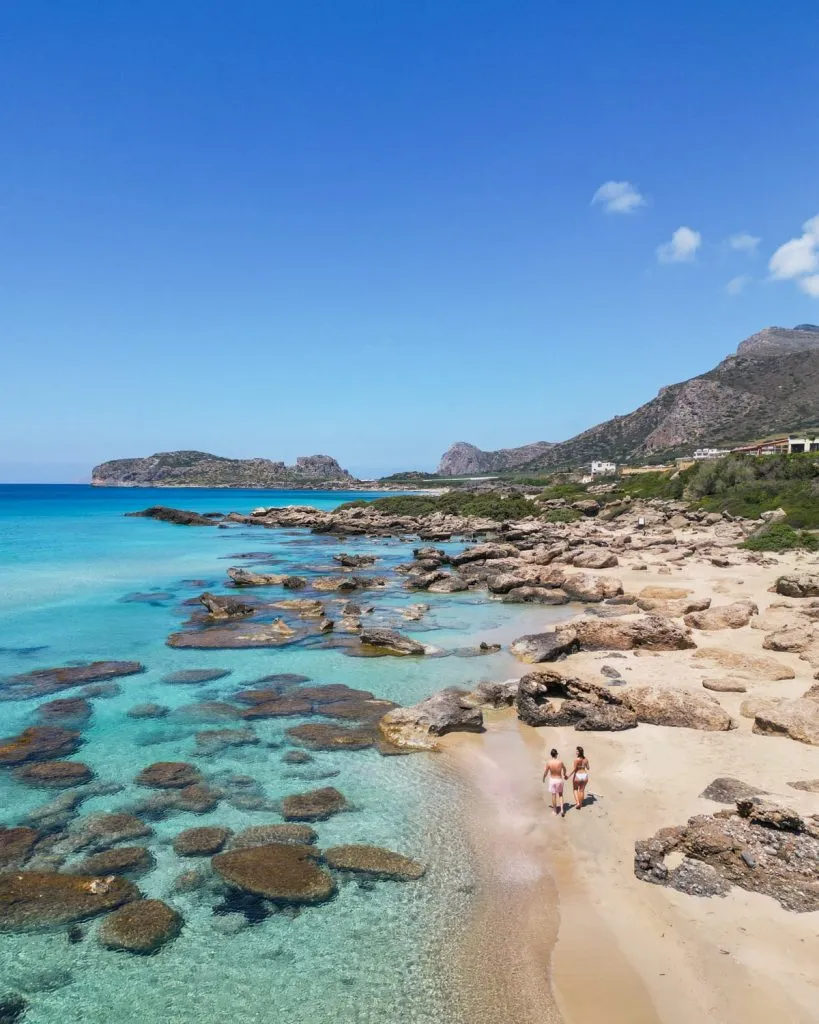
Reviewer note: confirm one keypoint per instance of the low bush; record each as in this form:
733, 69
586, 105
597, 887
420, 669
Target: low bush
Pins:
781, 537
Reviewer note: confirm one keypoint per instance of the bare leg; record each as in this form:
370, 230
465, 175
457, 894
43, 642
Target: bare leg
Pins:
582, 795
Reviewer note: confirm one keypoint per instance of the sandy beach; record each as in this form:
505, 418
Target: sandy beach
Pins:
564, 930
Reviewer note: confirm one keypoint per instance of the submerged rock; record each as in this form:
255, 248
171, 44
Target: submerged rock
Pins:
65, 711
201, 842
374, 861
124, 860
315, 805
281, 873
44, 681
38, 743
264, 835
32, 900
16, 845
318, 736
140, 927
169, 775
54, 774
196, 675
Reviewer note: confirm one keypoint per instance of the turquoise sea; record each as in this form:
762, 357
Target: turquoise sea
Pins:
75, 572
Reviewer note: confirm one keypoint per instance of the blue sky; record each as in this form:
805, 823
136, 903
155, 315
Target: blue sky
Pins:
367, 227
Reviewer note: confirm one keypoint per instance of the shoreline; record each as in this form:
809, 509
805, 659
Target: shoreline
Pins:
562, 928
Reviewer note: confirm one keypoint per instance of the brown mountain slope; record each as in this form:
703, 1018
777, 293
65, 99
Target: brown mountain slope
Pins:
771, 385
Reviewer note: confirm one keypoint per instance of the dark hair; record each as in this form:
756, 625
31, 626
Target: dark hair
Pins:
580, 752
553, 752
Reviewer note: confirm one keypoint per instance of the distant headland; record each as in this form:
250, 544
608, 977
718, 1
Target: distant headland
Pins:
201, 469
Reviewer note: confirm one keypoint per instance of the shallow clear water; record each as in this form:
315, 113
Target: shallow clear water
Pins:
376, 952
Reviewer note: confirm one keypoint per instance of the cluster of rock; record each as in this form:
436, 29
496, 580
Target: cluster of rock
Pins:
760, 846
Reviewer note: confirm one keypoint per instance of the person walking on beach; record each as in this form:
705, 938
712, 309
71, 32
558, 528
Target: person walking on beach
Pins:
580, 777
555, 771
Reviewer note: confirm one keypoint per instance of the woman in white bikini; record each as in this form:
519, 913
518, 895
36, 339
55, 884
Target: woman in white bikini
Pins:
580, 777
555, 771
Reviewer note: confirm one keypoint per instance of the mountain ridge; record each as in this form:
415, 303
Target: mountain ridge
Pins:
770, 384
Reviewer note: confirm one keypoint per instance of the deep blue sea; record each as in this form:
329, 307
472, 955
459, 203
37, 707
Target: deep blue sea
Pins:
71, 564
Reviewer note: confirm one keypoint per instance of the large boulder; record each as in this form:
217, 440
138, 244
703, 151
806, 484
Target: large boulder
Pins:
484, 552
727, 616
140, 927
532, 701
374, 862
646, 632
31, 900
282, 873
798, 585
798, 719
587, 587
539, 647
315, 805
536, 595
390, 641
685, 709
414, 728
594, 558
673, 608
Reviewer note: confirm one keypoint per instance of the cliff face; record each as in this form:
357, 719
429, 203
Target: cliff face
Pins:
200, 469
769, 386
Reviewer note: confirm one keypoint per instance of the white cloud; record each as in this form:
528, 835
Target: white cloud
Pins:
810, 285
743, 242
737, 284
618, 197
682, 248
799, 259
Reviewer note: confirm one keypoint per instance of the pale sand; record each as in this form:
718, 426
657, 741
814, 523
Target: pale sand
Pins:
563, 929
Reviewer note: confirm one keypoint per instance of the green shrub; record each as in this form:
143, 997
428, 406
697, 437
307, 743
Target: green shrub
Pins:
781, 537
560, 515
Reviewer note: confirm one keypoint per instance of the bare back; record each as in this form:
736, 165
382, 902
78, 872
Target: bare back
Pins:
556, 769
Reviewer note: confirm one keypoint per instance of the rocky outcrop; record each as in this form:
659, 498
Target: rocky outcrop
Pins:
33, 900
141, 927
415, 728
727, 791
646, 632
463, 459
539, 647
281, 873
177, 516
220, 607
201, 469
762, 848
374, 862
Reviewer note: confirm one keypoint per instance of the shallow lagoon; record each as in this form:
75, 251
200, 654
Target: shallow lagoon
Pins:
378, 951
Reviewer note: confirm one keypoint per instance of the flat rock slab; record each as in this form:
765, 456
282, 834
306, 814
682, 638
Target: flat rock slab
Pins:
33, 900
806, 785
140, 927
169, 775
264, 835
798, 719
39, 743
282, 873
725, 685
111, 828
65, 711
374, 861
756, 666
318, 736
201, 842
389, 641
44, 681
315, 805
53, 774
195, 675
726, 790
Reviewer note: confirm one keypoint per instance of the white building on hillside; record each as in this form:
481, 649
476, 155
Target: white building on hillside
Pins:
603, 468
702, 454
